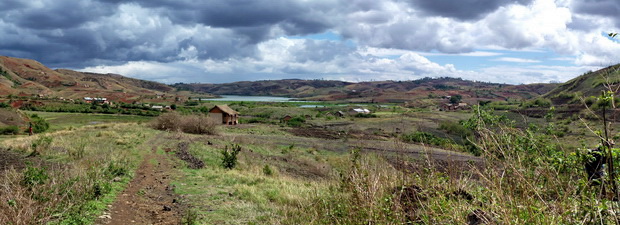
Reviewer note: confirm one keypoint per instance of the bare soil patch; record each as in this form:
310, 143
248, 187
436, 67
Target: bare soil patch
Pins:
183, 154
149, 197
11, 159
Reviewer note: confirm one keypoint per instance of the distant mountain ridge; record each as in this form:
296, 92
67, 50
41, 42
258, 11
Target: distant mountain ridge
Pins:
25, 77
376, 91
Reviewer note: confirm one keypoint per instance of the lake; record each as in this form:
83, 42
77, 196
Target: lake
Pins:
240, 98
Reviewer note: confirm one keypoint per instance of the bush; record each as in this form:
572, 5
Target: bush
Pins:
363, 115
34, 176
4, 105
9, 130
267, 170
455, 129
39, 125
229, 156
167, 121
198, 124
194, 124
297, 121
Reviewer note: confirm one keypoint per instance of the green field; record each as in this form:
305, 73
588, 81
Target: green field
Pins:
60, 120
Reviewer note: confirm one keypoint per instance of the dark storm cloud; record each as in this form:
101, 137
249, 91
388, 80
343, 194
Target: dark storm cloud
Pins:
56, 14
598, 7
293, 17
607, 8
86, 32
462, 9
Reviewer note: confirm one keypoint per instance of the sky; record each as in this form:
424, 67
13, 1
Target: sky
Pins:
219, 41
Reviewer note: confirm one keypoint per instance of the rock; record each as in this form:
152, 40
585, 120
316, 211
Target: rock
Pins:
167, 208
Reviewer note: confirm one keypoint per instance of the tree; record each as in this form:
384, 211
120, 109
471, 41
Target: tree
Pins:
455, 99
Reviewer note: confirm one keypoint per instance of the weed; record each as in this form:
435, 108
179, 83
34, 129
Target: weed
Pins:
78, 151
190, 217
40, 144
267, 170
34, 176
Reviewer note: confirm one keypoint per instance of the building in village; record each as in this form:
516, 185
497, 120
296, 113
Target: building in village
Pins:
355, 111
96, 100
224, 115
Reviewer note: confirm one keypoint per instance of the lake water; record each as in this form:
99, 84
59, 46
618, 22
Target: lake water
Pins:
249, 98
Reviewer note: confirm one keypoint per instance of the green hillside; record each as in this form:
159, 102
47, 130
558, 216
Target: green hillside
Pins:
588, 84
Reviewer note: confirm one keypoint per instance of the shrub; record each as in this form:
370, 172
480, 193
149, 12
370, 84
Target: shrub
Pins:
167, 121
267, 170
39, 124
229, 156
4, 105
362, 115
34, 176
455, 129
194, 124
297, 121
9, 130
40, 144
198, 124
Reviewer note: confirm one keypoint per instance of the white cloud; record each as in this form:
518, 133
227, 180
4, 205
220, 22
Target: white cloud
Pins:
516, 60
389, 39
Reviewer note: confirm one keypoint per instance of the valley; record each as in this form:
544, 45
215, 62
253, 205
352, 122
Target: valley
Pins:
389, 153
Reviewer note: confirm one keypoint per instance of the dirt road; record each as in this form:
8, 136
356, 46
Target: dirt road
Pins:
149, 197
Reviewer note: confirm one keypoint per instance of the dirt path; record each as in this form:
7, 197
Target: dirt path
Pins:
149, 198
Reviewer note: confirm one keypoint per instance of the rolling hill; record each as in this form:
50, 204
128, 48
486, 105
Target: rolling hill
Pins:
25, 77
376, 91
588, 84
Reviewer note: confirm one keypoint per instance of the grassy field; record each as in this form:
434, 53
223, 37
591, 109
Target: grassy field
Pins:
61, 121
328, 170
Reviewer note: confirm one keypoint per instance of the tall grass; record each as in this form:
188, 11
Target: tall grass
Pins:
77, 174
525, 178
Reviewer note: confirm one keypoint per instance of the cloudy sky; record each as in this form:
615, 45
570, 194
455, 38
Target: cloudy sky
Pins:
215, 41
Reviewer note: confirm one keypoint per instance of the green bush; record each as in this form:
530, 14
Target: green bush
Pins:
297, 121
34, 176
9, 130
267, 170
455, 129
229, 156
39, 124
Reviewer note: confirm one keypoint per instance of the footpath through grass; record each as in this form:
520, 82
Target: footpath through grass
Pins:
80, 172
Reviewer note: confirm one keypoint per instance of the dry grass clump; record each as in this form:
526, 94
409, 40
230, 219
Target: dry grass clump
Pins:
194, 124
526, 178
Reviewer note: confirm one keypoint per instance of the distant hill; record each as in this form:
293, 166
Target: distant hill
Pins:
25, 77
588, 84
376, 91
